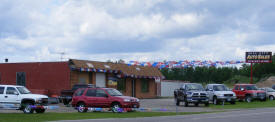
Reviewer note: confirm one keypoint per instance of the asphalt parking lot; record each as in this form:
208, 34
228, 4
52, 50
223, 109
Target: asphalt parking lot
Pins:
167, 104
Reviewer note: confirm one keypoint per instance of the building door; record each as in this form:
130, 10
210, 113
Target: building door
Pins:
21, 78
100, 80
134, 88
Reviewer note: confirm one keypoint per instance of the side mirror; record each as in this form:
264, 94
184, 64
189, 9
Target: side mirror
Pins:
242, 89
16, 93
106, 96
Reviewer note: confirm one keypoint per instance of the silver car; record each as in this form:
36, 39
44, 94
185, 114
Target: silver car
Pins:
270, 93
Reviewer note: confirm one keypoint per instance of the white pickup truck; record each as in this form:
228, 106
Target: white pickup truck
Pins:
20, 98
220, 93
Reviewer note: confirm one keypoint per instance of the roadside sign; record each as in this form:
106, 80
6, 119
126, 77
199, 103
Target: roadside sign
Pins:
258, 57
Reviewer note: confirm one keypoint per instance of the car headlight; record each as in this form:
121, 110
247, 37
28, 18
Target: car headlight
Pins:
39, 100
220, 95
126, 100
137, 100
189, 94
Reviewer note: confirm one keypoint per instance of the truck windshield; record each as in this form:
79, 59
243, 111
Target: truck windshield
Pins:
114, 92
23, 90
251, 87
270, 90
194, 87
220, 88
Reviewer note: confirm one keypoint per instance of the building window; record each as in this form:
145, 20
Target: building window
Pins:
21, 78
82, 80
121, 84
0, 77
144, 85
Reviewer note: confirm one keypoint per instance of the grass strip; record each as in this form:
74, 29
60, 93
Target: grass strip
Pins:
20, 117
245, 105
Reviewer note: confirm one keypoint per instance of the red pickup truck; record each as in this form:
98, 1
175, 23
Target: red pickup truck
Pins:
102, 98
248, 92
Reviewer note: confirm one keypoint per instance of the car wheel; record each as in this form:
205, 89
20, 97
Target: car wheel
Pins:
116, 108
40, 110
248, 99
28, 108
66, 102
271, 97
81, 108
185, 104
177, 102
196, 104
232, 102
215, 101
206, 104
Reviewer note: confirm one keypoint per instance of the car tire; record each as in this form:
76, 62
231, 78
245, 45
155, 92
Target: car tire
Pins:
215, 101
116, 108
271, 98
196, 104
185, 103
66, 102
81, 108
27, 109
39, 110
232, 102
206, 104
177, 102
248, 99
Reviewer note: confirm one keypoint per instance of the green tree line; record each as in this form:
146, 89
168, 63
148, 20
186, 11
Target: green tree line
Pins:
221, 74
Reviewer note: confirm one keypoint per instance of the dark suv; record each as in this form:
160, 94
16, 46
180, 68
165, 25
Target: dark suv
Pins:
102, 98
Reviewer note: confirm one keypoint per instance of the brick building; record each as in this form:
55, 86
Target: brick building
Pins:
51, 77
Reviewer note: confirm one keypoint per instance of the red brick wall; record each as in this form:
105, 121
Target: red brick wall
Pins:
139, 94
152, 89
44, 77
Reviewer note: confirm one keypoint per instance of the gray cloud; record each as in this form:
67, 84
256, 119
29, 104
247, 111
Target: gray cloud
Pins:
150, 29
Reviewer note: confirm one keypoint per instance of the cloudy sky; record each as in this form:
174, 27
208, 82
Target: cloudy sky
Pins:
142, 30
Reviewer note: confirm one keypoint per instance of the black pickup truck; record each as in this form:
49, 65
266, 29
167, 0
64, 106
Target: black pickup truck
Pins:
191, 93
66, 95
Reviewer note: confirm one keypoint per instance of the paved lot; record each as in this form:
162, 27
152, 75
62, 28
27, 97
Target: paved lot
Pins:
168, 104
246, 115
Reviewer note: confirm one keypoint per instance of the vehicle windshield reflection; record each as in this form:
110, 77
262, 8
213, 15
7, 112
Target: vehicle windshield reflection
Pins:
114, 92
194, 87
23, 90
220, 88
251, 87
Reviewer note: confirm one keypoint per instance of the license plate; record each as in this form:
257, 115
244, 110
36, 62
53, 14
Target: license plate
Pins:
135, 106
228, 99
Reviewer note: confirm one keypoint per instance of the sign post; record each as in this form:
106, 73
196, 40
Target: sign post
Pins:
257, 57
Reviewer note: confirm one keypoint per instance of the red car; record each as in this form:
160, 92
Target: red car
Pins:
248, 92
102, 98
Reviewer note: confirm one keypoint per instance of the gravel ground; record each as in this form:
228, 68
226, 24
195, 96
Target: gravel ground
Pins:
167, 104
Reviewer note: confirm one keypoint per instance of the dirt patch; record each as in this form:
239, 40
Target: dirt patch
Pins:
267, 83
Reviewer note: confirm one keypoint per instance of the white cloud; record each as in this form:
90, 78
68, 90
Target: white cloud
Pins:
134, 30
